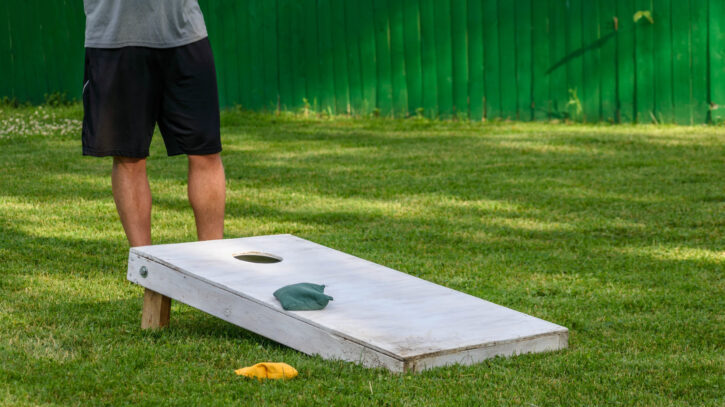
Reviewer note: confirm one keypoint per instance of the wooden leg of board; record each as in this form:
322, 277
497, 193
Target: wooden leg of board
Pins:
156, 310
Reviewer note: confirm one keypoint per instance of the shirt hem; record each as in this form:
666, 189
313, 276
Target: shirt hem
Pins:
148, 44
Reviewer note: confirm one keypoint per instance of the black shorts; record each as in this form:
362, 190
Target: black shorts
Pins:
126, 91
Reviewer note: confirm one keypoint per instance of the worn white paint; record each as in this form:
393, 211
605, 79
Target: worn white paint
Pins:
379, 316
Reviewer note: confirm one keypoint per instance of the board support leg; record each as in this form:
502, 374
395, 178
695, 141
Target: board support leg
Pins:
156, 310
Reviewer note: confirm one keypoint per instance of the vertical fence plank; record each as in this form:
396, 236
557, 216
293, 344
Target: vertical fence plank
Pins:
428, 58
459, 58
47, 81
492, 64
6, 68
311, 54
397, 59
241, 30
625, 62
644, 66
339, 57
71, 46
607, 66
541, 38
524, 69
285, 64
229, 16
412, 45
682, 85
475, 59
556, 69
507, 55
19, 42
444, 57
77, 38
352, 38
212, 24
298, 62
700, 106
222, 46
717, 60
368, 63
382, 56
663, 61
590, 93
574, 71
271, 73
48, 31
33, 55
61, 43
256, 58
326, 69
36, 58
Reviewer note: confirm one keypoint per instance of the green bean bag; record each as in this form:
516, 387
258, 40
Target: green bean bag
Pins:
302, 297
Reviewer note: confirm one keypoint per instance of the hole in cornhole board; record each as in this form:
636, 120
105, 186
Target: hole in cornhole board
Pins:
258, 257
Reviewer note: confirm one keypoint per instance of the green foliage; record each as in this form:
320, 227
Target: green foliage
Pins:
12, 102
613, 231
574, 105
644, 14
306, 107
57, 99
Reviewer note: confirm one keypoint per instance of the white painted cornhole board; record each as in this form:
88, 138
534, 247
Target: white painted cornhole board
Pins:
380, 317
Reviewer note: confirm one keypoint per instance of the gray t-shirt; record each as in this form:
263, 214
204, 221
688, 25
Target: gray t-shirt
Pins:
143, 23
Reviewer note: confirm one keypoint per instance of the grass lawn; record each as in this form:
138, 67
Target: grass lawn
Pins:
617, 233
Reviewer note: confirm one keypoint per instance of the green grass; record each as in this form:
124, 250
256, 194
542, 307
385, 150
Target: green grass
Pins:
617, 233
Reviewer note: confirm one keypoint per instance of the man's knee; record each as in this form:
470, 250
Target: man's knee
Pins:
129, 164
206, 161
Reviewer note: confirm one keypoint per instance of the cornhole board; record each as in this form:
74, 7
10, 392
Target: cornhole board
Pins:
380, 317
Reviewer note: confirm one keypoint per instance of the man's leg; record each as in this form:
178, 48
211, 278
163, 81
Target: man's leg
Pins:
207, 195
133, 198
133, 201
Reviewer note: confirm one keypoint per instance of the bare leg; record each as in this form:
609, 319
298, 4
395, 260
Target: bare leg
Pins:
133, 198
133, 201
207, 195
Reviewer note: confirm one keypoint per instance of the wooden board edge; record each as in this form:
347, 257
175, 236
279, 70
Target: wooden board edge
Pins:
541, 343
254, 316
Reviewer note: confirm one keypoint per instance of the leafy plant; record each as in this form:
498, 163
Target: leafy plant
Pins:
575, 102
9, 102
306, 108
57, 99
646, 14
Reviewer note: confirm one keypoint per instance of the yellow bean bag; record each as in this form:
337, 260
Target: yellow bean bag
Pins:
268, 370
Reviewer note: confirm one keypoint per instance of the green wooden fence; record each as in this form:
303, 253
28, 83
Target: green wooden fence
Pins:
511, 59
